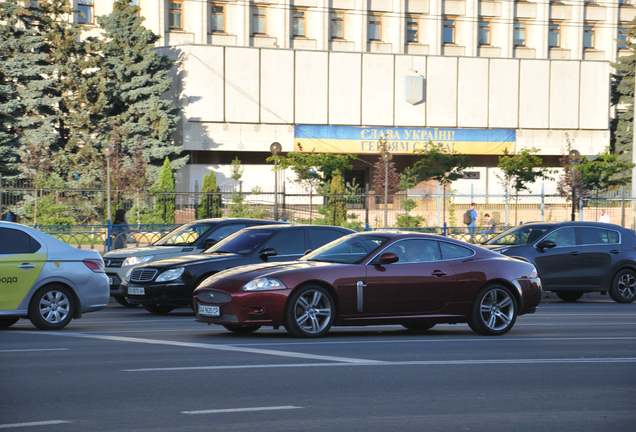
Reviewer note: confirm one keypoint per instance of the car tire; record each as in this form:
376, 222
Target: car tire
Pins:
569, 296
310, 312
494, 311
623, 289
158, 309
52, 307
419, 326
241, 329
8, 322
122, 301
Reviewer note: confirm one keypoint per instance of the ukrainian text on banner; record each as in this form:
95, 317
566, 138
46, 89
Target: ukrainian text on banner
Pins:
352, 139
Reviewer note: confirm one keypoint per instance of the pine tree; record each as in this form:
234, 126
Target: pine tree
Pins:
623, 93
337, 212
165, 202
210, 206
137, 78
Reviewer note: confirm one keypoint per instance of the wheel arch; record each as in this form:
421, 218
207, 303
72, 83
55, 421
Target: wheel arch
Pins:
618, 269
321, 284
78, 310
515, 290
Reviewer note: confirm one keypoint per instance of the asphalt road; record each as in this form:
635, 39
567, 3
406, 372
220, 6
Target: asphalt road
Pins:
569, 367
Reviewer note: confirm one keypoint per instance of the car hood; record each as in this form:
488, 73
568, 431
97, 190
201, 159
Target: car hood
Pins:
157, 251
192, 260
244, 274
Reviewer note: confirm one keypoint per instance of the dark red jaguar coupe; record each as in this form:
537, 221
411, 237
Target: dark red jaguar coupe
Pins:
374, 278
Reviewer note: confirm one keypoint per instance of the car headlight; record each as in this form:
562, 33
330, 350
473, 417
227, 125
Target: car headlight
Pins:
127, 277
131, 261
170, 275
264, 284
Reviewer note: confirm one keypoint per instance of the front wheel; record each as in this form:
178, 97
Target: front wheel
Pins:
494, 311
52, 307
569, 296
310, 312
241, 329
623, 289
158, 309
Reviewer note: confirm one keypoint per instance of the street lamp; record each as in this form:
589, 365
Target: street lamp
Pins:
573, 156
275, 148
386, 157
108, 152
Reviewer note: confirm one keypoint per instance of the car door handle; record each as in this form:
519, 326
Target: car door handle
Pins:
575, 253
26, 266
438, 273
615, 251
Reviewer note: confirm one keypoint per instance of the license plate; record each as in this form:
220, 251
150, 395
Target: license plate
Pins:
136, 291
213, 311
110, 281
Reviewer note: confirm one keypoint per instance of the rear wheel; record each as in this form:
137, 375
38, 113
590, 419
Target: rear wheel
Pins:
494, 311
310, 312
7, 322
569, 296
52, 307
158, 309
241, 329
623, 289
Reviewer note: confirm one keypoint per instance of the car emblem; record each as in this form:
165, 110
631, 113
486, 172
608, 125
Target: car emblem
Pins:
211, 296
108, 263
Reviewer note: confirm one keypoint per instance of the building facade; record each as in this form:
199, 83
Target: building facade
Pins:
343, 75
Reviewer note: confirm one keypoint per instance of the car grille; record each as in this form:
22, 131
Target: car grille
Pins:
113, 262
142, 275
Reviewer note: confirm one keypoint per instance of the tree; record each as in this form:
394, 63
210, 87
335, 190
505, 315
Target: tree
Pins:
378, 180
313, 169
604, 172
136, 79
520, 170
210, 206
337, 210
438, 166
623, 93
165, 202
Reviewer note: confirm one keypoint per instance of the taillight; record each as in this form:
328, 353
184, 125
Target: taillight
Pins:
95, 265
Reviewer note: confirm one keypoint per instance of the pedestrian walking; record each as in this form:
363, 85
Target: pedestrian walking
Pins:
605, 218
120, 229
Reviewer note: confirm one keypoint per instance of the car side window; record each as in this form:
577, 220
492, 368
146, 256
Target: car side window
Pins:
411, 251
17, 242
224, 231
322, 236
453, 251
288, 242
563, 237
592, 236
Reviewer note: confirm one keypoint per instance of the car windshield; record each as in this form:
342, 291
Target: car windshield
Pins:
242, 242
520, 235
185, 235
351, 249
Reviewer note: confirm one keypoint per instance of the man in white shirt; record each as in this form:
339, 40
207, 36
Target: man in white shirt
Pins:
604, 217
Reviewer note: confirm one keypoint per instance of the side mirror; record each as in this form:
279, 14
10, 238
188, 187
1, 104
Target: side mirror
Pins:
266, 253
388, 258
546, 244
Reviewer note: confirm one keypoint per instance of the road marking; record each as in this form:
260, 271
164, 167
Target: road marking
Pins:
405, 363
32, 350
218, 347
41, 423
234, 410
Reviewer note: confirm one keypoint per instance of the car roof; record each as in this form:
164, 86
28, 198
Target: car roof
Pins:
286, 225
574, 223
245, 220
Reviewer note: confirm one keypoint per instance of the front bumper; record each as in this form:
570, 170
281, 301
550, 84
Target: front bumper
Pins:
172, 294
531, 294
249, 308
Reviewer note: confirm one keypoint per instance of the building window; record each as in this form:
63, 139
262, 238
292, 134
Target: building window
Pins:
258, 20
298, 23
622, 36
412, 29
449, 31
337, 25
218, 18
484, 32
375, 27
554, 37
175, 15
624, 2
588, 36
520, 33
87, 10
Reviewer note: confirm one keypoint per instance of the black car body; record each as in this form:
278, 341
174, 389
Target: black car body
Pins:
191, 238
573, 258
163, 285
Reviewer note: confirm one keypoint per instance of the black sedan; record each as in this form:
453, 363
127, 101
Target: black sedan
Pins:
573, 258
163, 285
376, 278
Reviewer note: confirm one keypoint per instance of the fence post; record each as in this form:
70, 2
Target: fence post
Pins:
542, 202
581, 209
366, 206
439, 219
623, 206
